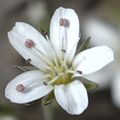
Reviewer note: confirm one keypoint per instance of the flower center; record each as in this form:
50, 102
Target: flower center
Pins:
60, 73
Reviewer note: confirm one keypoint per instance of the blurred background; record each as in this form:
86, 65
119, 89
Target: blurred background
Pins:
99, 19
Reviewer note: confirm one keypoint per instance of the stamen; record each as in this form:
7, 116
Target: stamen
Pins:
54, 79
56, 63
64, 22
28, 61
71, 71
63, 50
69, 65
78, 71
20, 88
64, 65
55, 73
45, 83
29, 43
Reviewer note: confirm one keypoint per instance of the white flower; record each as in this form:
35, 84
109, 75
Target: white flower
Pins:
101, 32
56, 61
115, 89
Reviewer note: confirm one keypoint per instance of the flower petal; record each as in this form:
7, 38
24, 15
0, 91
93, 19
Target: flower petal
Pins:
30, 44
93, 59
72, 97
65, 25
33, 84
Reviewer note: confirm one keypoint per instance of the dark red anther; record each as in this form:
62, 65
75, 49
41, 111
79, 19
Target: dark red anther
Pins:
28, 61
64, 22
20, 88
29, 43
80, 72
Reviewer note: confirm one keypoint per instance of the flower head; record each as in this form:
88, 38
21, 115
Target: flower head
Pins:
56, 62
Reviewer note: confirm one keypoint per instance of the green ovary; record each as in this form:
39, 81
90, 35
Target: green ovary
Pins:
64, 79
59, 72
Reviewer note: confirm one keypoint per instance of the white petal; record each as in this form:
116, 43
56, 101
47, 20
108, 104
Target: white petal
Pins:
72, 97
116, 90
34, 87
38, 53
64, 37
93, 59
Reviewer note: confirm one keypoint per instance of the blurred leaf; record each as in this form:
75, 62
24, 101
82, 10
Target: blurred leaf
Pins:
90, 85
48, 99
6, 109
84, 45
33, 102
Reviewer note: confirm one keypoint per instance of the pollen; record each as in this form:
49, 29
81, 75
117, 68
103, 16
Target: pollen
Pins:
20, 88
29, 43
64, 22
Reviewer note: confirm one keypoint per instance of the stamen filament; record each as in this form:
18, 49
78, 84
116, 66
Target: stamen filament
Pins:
54, 79
56, 63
